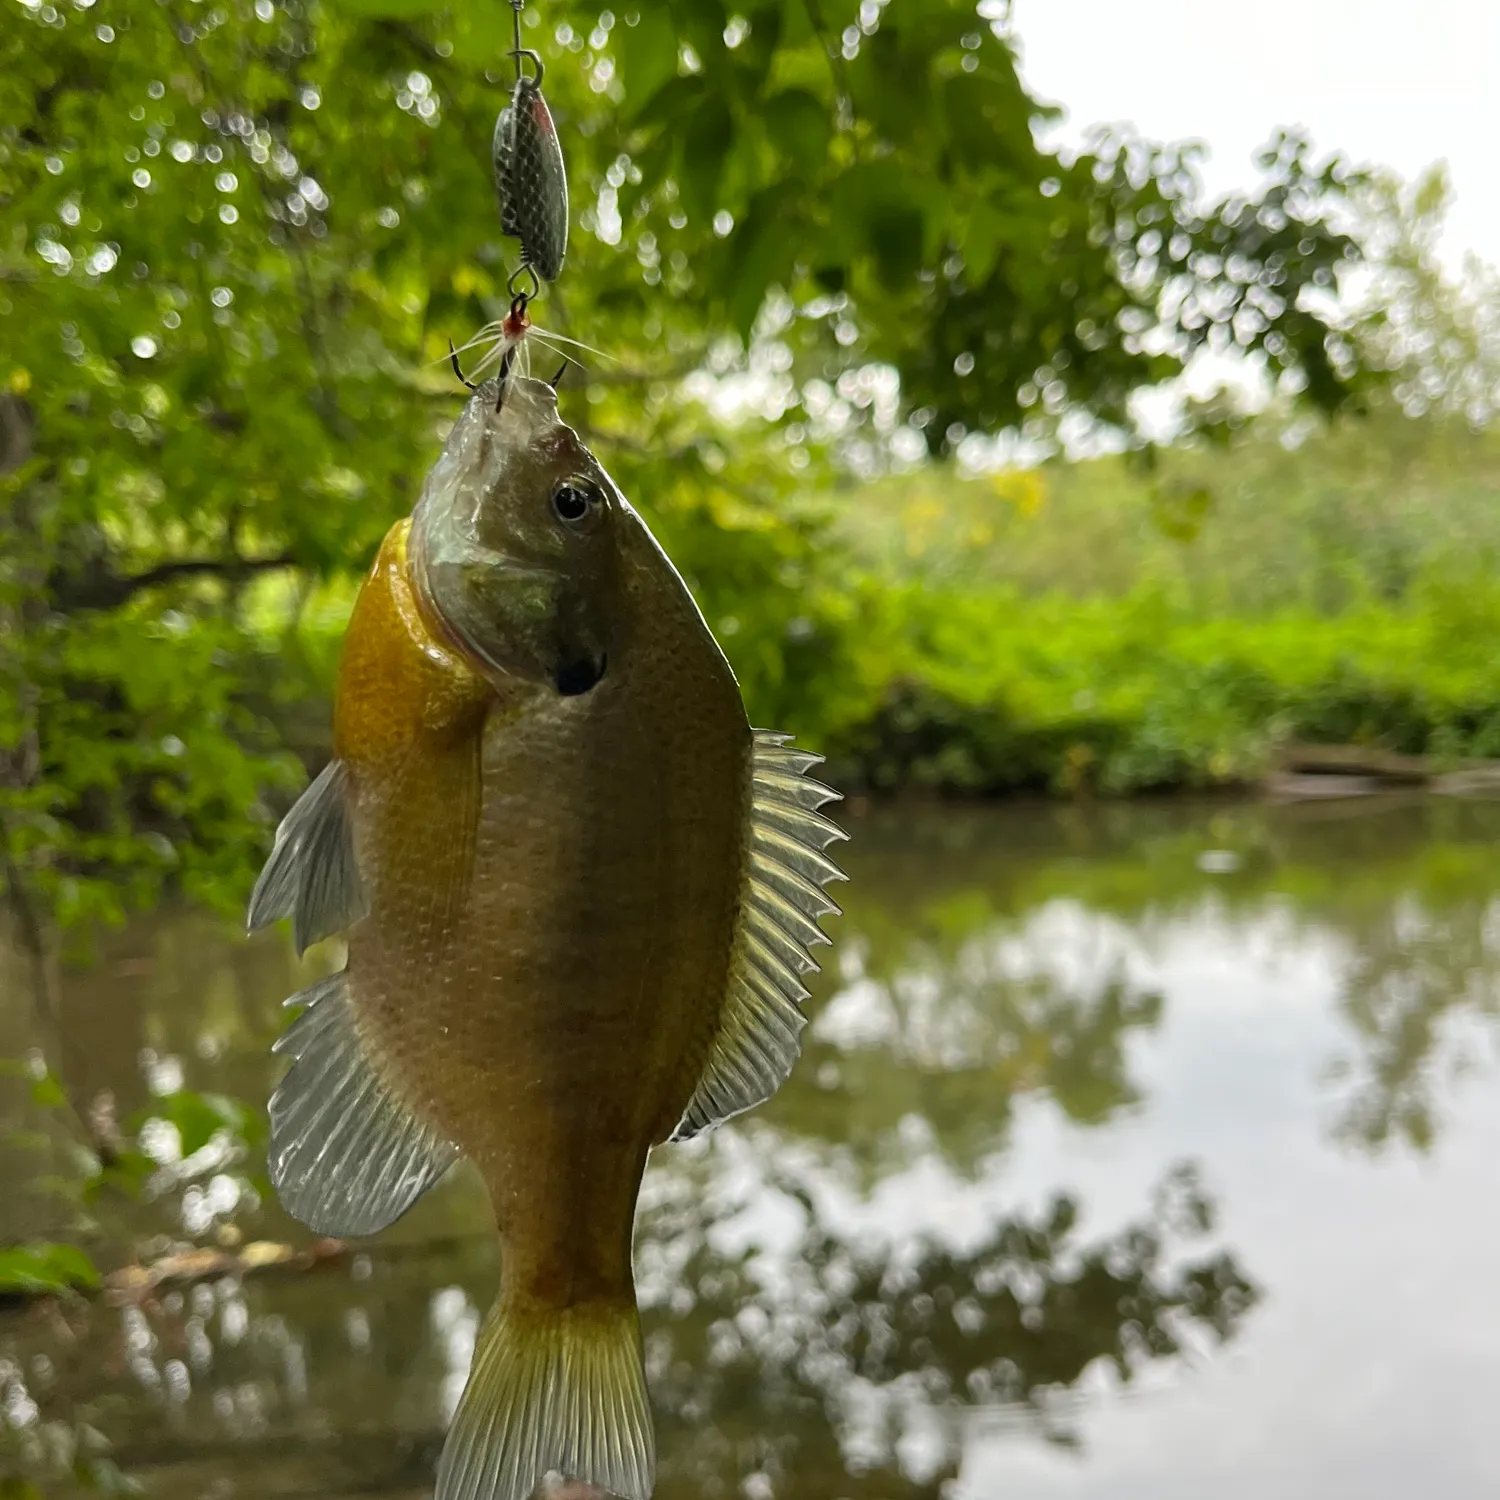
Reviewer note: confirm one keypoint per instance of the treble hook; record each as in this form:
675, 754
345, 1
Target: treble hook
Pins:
506, 361
457, 368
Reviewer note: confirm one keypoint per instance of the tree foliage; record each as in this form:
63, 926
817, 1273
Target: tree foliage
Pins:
237, 235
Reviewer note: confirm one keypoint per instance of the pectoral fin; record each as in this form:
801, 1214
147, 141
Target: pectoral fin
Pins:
311, 875
781, 901
347, 1157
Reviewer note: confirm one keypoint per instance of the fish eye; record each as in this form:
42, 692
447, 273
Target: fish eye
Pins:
575, 500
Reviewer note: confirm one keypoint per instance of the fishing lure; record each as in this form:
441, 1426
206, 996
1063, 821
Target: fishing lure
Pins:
530, 178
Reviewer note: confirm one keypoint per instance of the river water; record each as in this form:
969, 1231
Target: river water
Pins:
1135, 1151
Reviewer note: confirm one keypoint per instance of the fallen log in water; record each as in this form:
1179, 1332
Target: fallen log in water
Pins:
1356, 760
1304, 772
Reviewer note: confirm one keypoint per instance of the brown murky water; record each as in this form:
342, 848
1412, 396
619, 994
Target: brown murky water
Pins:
1144, 1151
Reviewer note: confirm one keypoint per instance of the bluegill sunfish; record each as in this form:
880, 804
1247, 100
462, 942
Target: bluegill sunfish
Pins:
579, 894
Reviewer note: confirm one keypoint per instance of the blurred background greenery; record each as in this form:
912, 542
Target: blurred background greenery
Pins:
901, 388
872, 362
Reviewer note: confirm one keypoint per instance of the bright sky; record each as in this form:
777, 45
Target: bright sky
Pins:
1386, 81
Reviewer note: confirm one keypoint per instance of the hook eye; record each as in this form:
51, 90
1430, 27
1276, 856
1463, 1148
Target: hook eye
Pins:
518, 289
518, 53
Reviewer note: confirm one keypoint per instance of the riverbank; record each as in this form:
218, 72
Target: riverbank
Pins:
1000, 693
1116, 628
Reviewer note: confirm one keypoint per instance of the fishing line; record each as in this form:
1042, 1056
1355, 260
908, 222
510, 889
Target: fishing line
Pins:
531, 186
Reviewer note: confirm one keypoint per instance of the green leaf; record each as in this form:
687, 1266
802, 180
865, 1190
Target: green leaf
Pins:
488, 32
702, 23
127, 1172
273, 415
705, 144
74, 1265
799, 124
673, 102
982, 238
989, 122
876, 208
890, 85
762, 253
390, 10
46, 1268
647, 55
198, 1118
106, 1477
754, 56
47, 1093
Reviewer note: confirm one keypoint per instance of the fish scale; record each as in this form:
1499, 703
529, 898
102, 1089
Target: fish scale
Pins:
531, 180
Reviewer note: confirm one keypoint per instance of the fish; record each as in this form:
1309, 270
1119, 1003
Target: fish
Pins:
579, 895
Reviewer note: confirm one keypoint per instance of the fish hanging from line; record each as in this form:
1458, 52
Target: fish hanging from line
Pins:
579, 894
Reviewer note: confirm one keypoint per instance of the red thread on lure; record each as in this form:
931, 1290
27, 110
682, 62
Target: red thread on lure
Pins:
516, 322
512, 331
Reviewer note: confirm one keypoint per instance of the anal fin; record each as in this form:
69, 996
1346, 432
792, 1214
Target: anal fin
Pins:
311, 875
781, 902
552, 1390
347, 1156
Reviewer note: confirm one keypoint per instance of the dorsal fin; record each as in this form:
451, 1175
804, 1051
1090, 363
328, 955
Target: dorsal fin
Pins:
781, 901
311, 875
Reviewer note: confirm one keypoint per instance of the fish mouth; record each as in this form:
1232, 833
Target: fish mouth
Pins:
575, 678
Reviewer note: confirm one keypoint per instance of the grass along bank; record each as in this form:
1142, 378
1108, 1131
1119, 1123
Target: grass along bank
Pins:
1103, 626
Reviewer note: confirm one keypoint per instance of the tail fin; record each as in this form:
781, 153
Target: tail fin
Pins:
552, 1389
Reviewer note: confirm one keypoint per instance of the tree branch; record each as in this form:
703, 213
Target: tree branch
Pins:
110, 590
17, 431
